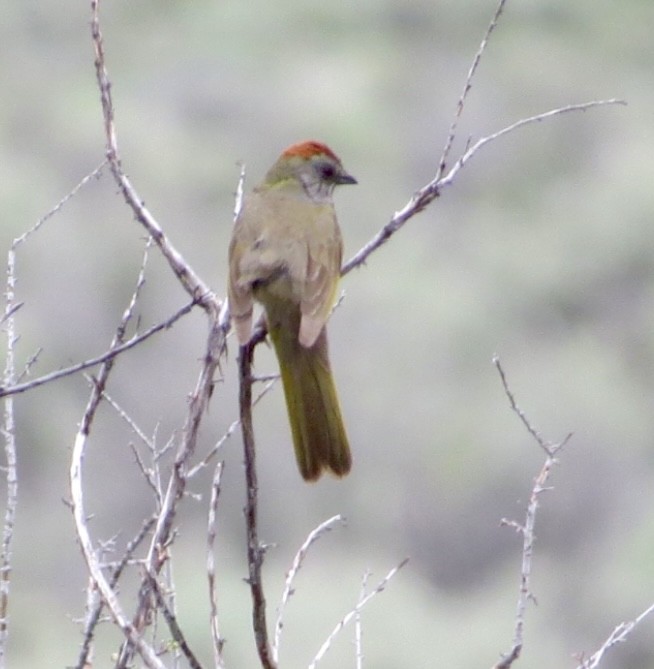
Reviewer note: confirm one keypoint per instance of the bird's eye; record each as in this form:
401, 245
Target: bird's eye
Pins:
326, 170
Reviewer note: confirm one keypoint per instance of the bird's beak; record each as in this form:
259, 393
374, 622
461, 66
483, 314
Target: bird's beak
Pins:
345, 178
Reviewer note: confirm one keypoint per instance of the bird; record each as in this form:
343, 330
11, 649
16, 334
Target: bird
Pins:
285, 254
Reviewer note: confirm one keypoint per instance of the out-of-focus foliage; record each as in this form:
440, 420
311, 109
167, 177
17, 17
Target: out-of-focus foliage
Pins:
541, 252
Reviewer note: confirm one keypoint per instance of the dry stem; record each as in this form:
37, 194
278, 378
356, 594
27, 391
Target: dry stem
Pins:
289, 589
526, 529
381, 586
255, 550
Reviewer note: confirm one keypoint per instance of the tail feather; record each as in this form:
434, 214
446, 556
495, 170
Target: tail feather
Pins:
314, 412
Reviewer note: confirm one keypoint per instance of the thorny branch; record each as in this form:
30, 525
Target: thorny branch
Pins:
9, 378
218, 326
425, 195
255, 549
419, 201
527, 530
105, 588
618, 635
429, 192
95, 609
173, 625
8, 389
216, 637
314, 535
451, 136
198, 402
381, 586
192, 283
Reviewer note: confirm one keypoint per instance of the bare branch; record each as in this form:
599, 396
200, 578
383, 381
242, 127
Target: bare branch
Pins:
11, 477
71, 194
95, 610
218, 641
106, 589
425, 195
9, 378
113, 352
192, 283
618, 635
107, 592
346, 619
158, 553
232, 428
314, 535
527, 529
173, 625
537, 118
198, 403
451, 136
255, 550
507, 391
358, 629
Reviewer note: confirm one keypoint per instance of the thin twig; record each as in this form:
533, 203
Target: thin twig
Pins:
107, 592
71, 194
425, 195
618, 635
347, 618
255, 550
11, 476
150, 443
217, 640
448, 179
95, 610
192, 283
113, 352
451, 136
289, 588
231, 429
516, 409
29, 363
158, 553
151, 474
173, 625
9, 378
526, 529
358, 628
198, 403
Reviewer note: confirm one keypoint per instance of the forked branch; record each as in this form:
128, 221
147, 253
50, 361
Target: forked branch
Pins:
527, 528
255, 549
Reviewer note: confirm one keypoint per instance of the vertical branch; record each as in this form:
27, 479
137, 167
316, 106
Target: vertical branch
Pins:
8, 427
289, 585
527, 528
96, 604
9, 435
109, 596
198, 404
188, 279
618, 635
158, 551
218, 641
255, 550
106, 588
358, 629
451, 136
381, 586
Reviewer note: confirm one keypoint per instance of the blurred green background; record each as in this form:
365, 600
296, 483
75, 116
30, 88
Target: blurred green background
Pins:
541, 252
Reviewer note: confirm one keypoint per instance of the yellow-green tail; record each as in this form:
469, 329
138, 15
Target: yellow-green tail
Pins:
313, 409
